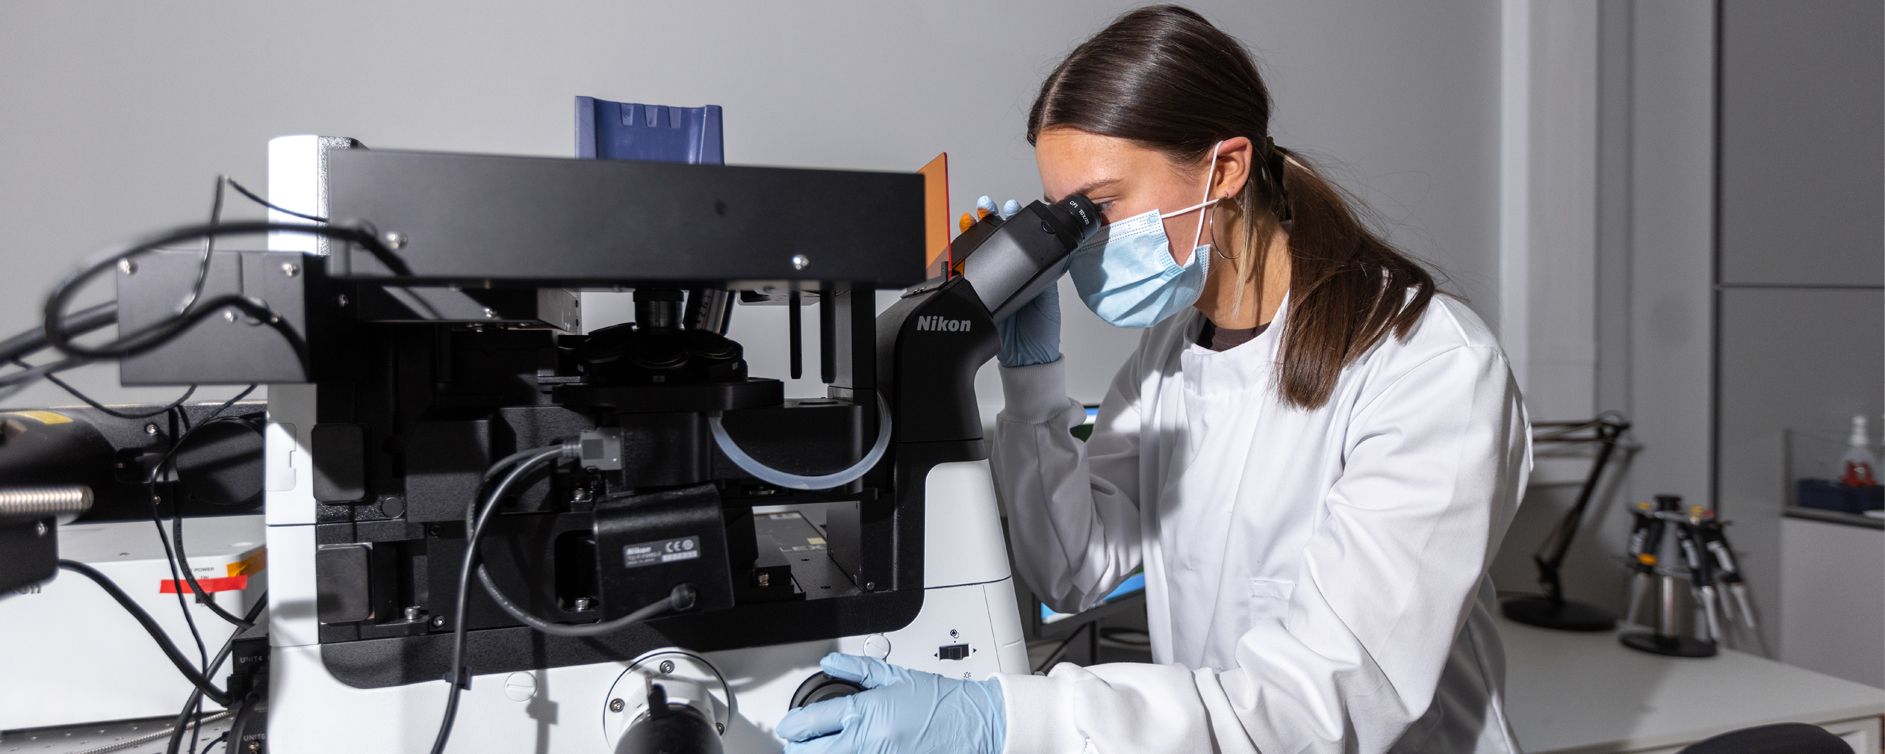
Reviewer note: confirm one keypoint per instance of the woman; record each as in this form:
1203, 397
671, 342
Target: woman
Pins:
1311, 454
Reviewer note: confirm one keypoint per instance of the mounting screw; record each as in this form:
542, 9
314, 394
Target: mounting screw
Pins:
438, 621
289, 269
342, 300
488, 314
229, 315
584, 604
870, 586
413, 612
799, 262
150, 428
765, 579
39, 529
667, 666
954, 634
616, 705
720, 728
395, 240
254, 746
127, 267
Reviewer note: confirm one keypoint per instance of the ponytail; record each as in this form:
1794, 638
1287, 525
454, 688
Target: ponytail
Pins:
1164, 77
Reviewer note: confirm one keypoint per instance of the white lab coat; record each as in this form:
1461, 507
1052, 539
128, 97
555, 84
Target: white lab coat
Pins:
1315, 580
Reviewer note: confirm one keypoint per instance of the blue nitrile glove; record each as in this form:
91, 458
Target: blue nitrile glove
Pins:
1032, 335
901, 710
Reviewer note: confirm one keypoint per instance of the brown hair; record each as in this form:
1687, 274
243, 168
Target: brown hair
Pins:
1165, 78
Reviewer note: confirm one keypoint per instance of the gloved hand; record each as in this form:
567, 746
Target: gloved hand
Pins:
901, 710
1032, 334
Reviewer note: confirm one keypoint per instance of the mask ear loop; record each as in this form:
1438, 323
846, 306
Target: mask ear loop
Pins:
1206, 202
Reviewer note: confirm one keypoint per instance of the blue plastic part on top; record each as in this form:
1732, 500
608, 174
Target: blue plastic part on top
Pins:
634, 131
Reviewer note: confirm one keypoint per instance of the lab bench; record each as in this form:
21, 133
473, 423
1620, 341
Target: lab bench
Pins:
1584, 693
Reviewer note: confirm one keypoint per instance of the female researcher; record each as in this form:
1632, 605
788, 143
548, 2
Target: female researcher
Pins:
1311, 453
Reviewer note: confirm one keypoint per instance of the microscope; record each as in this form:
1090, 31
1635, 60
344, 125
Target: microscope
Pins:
613, 539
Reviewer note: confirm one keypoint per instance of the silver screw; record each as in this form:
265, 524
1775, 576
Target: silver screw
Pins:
583, 604
488, 314
289, 269
395, 240
254, 746
150, 428
870, 586
799, 262
127, 267
720, 728
39, 529
953, 634
413, 612
616, 705
765, 579
667, 666
229, 315
438, 621
342, 300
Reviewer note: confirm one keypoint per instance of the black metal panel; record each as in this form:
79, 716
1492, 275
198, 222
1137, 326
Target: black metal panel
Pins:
236, 350
29, 552
555, 221
339, 463
345, 589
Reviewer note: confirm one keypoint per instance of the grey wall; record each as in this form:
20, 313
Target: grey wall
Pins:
1652, 309
1803, 86
117, 116
1802, 268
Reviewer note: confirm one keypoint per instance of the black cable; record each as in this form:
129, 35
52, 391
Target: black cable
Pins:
164, 331
240, 189
202, 683
455, 672
76, 393
14, 383
194, 703
209, 249
212, 742
180, 557
183, 606
78, 323
681, 597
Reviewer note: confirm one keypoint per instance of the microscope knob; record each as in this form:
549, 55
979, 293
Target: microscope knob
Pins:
820, 687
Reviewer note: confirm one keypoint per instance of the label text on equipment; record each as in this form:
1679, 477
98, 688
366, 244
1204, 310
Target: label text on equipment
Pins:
938, 323
660, 551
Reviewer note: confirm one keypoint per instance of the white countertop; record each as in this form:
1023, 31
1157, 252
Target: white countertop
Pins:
1584, 692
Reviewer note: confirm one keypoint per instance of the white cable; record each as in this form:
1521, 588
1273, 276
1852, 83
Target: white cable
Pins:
778, 478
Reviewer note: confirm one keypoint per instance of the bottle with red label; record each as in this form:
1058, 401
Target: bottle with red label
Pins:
1859, 466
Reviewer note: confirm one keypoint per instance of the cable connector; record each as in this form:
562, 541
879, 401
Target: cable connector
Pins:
596, 449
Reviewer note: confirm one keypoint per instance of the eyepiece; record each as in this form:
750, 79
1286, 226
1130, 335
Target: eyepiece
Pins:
1081, 213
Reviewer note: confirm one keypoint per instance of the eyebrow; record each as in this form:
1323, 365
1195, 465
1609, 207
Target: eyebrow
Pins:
1085, 190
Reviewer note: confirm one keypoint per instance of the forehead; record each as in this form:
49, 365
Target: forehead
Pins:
1071, 160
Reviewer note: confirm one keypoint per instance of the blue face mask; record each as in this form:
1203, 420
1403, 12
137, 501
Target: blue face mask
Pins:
1127, 275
